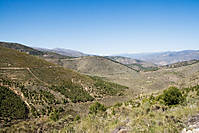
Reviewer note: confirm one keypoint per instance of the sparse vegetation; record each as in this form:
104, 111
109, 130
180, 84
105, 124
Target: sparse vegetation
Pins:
108, 88
96, 107
146, 113
139, 67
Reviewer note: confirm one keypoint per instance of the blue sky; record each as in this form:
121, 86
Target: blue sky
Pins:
102, 26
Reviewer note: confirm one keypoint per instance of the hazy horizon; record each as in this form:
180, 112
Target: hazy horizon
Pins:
116, 54
102, 27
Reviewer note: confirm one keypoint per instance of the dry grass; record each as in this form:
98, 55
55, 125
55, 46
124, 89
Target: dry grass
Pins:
139, 115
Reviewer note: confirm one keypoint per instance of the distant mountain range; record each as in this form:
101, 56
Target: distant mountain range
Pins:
165, 58
62, 51
143, 59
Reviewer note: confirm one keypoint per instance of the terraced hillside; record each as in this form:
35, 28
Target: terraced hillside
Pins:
47, 90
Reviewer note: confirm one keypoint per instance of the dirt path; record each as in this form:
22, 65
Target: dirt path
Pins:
21, 95
25, 68
18, 93
12, 68
36, 76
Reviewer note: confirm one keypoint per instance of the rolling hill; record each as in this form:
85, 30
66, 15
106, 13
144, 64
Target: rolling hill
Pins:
126, 60
138, 65
45, 89
143, 81
94, 65
113, 71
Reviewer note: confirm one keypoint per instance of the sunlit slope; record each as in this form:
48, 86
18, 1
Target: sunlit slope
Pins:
136, 81
135, 64
94, 65
47, 72
38, 69
46, 88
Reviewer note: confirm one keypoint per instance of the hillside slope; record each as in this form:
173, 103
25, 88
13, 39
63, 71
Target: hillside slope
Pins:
126, 60
46, 96
108, 69
94, 65
138, 65
45, 88
138, 82
145, 113
31, 51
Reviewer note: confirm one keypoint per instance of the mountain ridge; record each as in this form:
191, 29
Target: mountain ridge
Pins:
165, 58
31, 51
63, 51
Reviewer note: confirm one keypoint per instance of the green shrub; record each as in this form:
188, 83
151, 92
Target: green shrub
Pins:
197, 89
11, 105
64, 101
34, 111
77, 117
54, 115
108, 88
96, 107
172, 96
74, 92
47, 96
118, 105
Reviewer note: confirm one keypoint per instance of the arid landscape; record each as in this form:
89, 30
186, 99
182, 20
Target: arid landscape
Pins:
49, 92
99, 66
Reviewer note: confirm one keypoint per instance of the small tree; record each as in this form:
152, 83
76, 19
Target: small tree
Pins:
77, 117
172, 96
96, 107
54, 115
